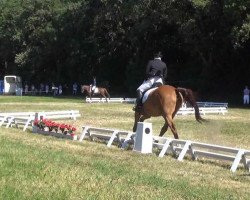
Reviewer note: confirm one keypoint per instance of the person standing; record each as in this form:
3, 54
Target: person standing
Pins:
41, 90
246, 95
33, 89
26, 89
74, 88
60, 89
46, 89
54, 89
156, 72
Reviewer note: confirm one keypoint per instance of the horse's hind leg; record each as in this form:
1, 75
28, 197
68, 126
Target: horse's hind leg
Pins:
107, 94
103, 94
170, 123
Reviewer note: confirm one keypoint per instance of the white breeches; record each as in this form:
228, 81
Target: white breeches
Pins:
246, 99
148, 83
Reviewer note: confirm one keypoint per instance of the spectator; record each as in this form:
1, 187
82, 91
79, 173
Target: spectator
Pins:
246, 95
54, 89
41, 88
26, 89
65, 89
60, 89
46, 89
33, 89
74, 89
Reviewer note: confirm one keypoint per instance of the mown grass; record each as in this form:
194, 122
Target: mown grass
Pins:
39, 167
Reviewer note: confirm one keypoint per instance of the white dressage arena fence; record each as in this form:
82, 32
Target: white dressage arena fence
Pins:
212, 104
26, 118
203, 110
110, 135
110, 100
179, 148
204, 107
143, 140
196, 150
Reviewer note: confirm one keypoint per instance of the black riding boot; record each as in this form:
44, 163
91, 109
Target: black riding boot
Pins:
138, 106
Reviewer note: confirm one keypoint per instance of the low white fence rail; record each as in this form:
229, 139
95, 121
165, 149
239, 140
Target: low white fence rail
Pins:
110, 100
196, 149
204, 107
26, 118
212, 104
203, 110
110, 135
180, 148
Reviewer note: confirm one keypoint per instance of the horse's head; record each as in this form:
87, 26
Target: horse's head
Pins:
84, 88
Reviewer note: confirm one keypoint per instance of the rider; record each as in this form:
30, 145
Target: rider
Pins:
93, 85
156, 72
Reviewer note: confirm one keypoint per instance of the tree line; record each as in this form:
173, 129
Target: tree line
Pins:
205, 43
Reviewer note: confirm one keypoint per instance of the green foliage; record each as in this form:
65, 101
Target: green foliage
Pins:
204, 42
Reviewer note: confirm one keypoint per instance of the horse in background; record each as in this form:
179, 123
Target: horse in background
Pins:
100, 91
165, 101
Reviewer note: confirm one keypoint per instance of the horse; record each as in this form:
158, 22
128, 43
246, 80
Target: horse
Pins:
103, 92
165, 101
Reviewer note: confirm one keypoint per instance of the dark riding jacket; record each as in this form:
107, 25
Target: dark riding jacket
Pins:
94, 82
156, 67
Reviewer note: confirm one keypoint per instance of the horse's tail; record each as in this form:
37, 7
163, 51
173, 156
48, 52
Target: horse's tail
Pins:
189, 97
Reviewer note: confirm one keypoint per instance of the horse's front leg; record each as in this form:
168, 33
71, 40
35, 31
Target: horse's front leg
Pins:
143, 118
90, 96
164, 129
137, 119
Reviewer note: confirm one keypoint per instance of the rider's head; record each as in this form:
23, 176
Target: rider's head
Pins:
158, 54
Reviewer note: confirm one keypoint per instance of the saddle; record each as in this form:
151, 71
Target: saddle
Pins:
94, 90
144, 97
147, 92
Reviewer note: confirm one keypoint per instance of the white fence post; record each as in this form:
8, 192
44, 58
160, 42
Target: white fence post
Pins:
165, 147
112, 138
34, 128
237, 160
184, 150
84, 132
143, 138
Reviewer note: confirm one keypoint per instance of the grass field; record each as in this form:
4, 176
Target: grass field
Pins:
41, 167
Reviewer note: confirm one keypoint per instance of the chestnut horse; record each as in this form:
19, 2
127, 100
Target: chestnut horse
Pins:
98, 91
165, 101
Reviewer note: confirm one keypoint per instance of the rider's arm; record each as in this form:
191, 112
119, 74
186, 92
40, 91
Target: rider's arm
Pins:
165, 72
148, 69
164, 75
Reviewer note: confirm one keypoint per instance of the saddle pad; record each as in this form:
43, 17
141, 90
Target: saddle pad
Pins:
145, 96
96, 91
